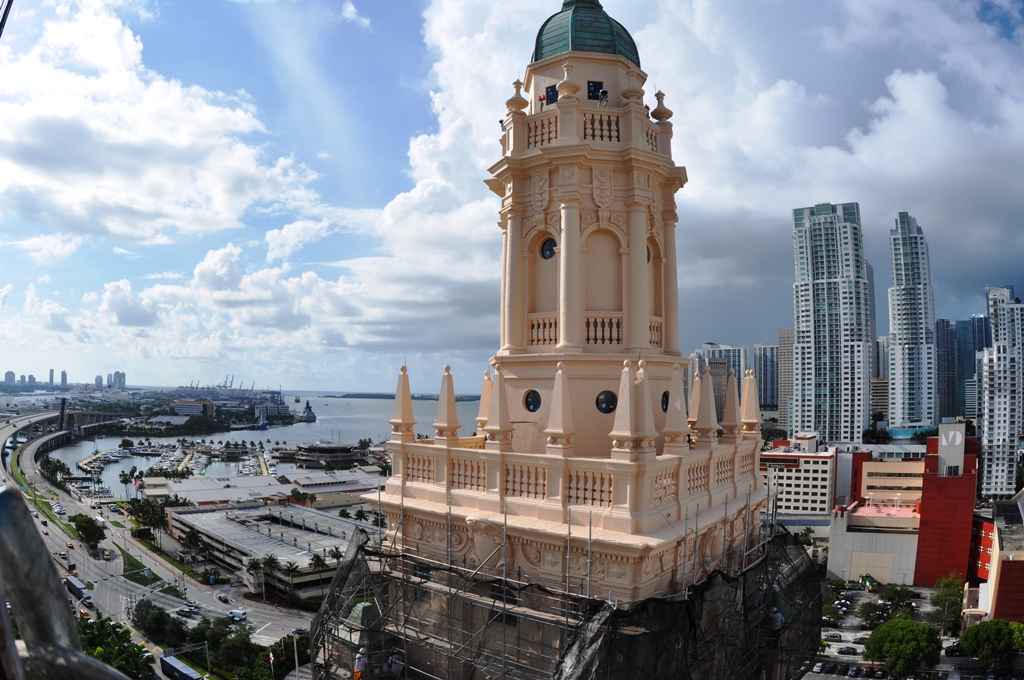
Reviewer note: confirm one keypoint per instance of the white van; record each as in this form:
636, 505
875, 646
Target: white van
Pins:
236, 615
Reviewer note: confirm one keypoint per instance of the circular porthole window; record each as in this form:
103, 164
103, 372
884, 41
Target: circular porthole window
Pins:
547, 249
607, 401
664, 402
532, 401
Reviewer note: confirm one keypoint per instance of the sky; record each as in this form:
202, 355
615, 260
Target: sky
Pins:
291, 191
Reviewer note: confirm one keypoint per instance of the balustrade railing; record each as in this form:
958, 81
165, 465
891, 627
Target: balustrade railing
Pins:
541, 131
588, 487
697, 477
651, 137
469, 474
527, 481
601, 127
656, 326
723, 471
543, 329
419, 468
604, 329
665, 487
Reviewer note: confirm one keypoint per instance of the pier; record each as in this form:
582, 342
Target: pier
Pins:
85, 465
188, 459
263, 465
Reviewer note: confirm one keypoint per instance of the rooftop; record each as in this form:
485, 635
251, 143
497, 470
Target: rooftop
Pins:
583, 26
275, 531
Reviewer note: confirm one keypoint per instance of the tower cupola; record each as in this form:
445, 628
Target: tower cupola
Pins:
584, 26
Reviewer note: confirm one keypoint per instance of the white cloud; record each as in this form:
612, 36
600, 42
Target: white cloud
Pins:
5, 293
127, 253
281, 243
323, 155
164, 275
126, 308
94, 142
90, 297
48, 249
44, 278
350, 13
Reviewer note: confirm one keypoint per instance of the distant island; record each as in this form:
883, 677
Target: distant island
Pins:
379, 395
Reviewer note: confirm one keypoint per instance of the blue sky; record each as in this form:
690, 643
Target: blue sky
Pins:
291, 191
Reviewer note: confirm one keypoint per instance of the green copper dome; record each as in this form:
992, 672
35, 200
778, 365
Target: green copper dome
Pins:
584, 26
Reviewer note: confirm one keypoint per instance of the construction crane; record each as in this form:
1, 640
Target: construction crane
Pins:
7, 11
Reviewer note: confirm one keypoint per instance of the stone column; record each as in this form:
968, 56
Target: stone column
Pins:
638, 313
570, 287
512, 285
671, 293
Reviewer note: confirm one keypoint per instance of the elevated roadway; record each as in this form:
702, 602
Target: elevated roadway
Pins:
12, 426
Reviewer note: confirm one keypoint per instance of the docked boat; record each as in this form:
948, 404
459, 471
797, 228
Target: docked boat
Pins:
307, 414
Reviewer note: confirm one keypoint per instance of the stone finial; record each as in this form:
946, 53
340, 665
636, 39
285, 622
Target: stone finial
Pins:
567, 87
731, 417
447, 425
485, 402
676, 428
751, 409
661, 113
694, 398
499, 424
560, 430
632, 92
517, 102
633, 431
707, 420
402, 420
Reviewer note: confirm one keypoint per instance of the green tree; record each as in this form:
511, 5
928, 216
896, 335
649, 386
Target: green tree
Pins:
254, 567
876, 437
361, 515
319, 565
270, 565
903, 646
126, 444
948, 603
872, 615
1018, 636
113, 645
88, 528
336, 553
991, 642
805, 536
291, 570
344, 513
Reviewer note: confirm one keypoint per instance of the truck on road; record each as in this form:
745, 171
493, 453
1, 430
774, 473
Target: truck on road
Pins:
78, 589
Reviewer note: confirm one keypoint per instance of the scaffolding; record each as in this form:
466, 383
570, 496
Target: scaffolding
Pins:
756, 614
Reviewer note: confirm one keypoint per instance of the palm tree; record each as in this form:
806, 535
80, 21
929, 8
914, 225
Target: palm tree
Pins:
361, 515
253, 567
336, 553
319, 565
344, 513
291, 570
126, 477
270, 565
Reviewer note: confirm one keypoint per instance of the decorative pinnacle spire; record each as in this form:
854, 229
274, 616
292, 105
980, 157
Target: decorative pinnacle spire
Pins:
661, 113
499, 424
731, 416
676, 427
751, 409
560, 430
485, 402
447, 423
402, 420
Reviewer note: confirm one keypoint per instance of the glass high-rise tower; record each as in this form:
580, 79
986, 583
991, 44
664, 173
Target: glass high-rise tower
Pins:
834, 348
1001, 381
912, 373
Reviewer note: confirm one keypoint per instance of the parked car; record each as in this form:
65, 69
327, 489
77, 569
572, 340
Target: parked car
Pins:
862, 640
843, 669
829, 668
191, 603
854, 672
847, 651
818, 667
183, 613
953, 650
832, 637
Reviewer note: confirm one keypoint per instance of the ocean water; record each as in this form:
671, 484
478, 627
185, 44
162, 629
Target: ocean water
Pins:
339, 420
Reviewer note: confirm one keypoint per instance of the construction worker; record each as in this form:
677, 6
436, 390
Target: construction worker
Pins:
395, 664
360, 665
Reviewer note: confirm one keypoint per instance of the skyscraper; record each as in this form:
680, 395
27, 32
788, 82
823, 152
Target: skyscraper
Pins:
735, 357
51, 377
945, 369
911, 327
786, 336
834, 344
63, 378
882, 354
9, 378
1001, 382
972, 336
766, 368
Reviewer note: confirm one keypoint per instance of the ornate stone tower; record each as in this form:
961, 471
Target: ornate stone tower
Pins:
585, 447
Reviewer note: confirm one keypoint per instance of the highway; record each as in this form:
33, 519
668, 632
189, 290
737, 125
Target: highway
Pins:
11, 426
112, 591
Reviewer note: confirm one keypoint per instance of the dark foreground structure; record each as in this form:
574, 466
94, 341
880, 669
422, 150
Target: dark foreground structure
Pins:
426, 619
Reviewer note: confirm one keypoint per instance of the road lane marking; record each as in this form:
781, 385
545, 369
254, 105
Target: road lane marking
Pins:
261, 629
